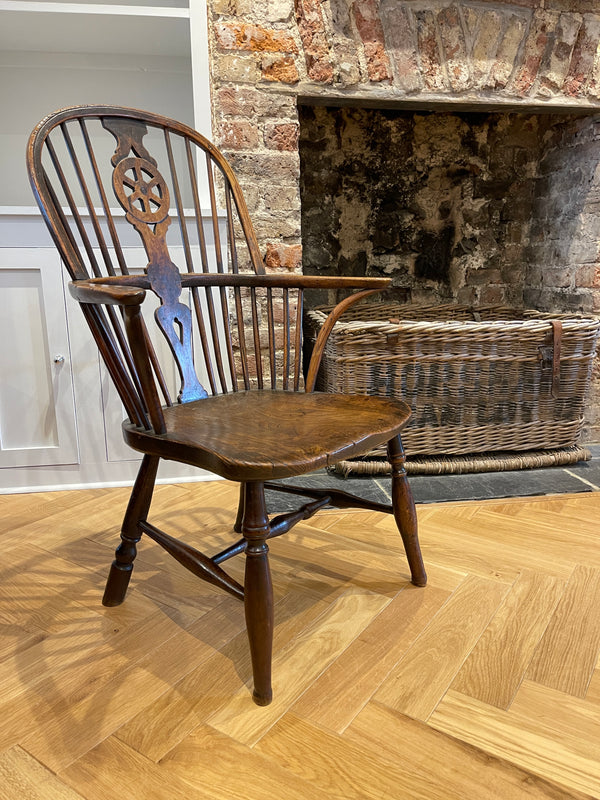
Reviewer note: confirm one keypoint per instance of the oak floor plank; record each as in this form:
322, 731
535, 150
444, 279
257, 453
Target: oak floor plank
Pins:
113, 770
470, 545
339, 693
377, 534
297, 666
456, 769
547, 732
574, 541
16, 638
332, 763
497, 664
423, 675
24, 778
566, 656
85, 723
207, 689
37, 696
117, 702
206, 755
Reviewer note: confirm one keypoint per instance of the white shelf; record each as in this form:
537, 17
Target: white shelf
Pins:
131, 9
94, 29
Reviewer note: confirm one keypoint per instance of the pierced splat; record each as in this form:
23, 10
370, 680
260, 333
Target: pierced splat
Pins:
144, 196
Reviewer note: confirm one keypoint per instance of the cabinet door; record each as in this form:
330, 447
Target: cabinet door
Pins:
37, 411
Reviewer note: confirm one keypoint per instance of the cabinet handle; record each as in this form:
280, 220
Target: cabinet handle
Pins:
59, 359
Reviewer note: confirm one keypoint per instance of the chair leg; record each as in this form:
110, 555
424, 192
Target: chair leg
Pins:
404, 512
237, 526
137, 510
258, 591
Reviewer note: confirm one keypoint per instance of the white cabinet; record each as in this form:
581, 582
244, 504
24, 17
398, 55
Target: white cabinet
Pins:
59, 418
37, 410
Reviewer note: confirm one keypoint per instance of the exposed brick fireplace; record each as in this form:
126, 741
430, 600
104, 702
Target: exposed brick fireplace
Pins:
491, 111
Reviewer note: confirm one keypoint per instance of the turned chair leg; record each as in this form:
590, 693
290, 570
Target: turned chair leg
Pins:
404, 512
258, 591
237, 526
137, 511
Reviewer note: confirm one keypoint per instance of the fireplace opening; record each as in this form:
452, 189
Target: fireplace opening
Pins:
456, 206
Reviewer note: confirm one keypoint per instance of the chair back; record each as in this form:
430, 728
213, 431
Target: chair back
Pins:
131, 193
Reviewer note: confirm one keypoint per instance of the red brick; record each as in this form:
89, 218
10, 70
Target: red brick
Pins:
282, 136
453, 40
283, 256
402, 45
371, 32
240, 36
485, 47
588, 277
431, 60
535, 47
238, 135
492, 295
314, 40
584, 52
507, 53
282, 69
555, 72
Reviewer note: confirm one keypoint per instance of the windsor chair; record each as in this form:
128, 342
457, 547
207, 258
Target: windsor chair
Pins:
244, 407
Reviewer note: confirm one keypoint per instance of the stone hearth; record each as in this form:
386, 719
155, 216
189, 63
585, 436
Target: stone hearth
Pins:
518, 85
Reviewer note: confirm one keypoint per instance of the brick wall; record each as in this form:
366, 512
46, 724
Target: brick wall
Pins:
520, 55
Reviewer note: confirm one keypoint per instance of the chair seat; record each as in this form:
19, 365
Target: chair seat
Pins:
263, 435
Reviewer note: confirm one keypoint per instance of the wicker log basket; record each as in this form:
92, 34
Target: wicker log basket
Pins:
479, 381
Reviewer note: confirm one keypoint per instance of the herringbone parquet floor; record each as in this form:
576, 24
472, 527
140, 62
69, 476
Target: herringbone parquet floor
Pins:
486, 684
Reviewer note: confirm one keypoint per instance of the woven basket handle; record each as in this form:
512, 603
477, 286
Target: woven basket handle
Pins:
556, 345
550, 356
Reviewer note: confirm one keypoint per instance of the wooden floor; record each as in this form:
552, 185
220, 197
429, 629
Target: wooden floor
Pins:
486, 684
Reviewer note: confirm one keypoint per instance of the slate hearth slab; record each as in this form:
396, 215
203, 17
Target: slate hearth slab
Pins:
581, 477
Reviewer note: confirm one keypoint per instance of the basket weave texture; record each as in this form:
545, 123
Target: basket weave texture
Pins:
478, 380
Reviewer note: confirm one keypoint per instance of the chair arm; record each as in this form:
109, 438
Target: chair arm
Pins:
282, 281
101, 291
198, 280
326, 328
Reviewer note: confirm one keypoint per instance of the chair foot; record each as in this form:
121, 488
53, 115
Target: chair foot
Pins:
137, 510
405, 513
116, 584
262, 700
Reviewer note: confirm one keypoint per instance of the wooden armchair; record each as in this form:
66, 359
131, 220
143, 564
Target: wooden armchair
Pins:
244, 408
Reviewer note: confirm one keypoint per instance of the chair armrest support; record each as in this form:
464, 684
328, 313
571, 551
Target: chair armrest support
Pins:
323, 336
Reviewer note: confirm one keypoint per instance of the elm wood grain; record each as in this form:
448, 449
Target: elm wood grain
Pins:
283, 433
222, 317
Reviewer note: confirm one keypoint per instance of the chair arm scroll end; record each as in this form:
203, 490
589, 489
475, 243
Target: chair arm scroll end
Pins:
107, 294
